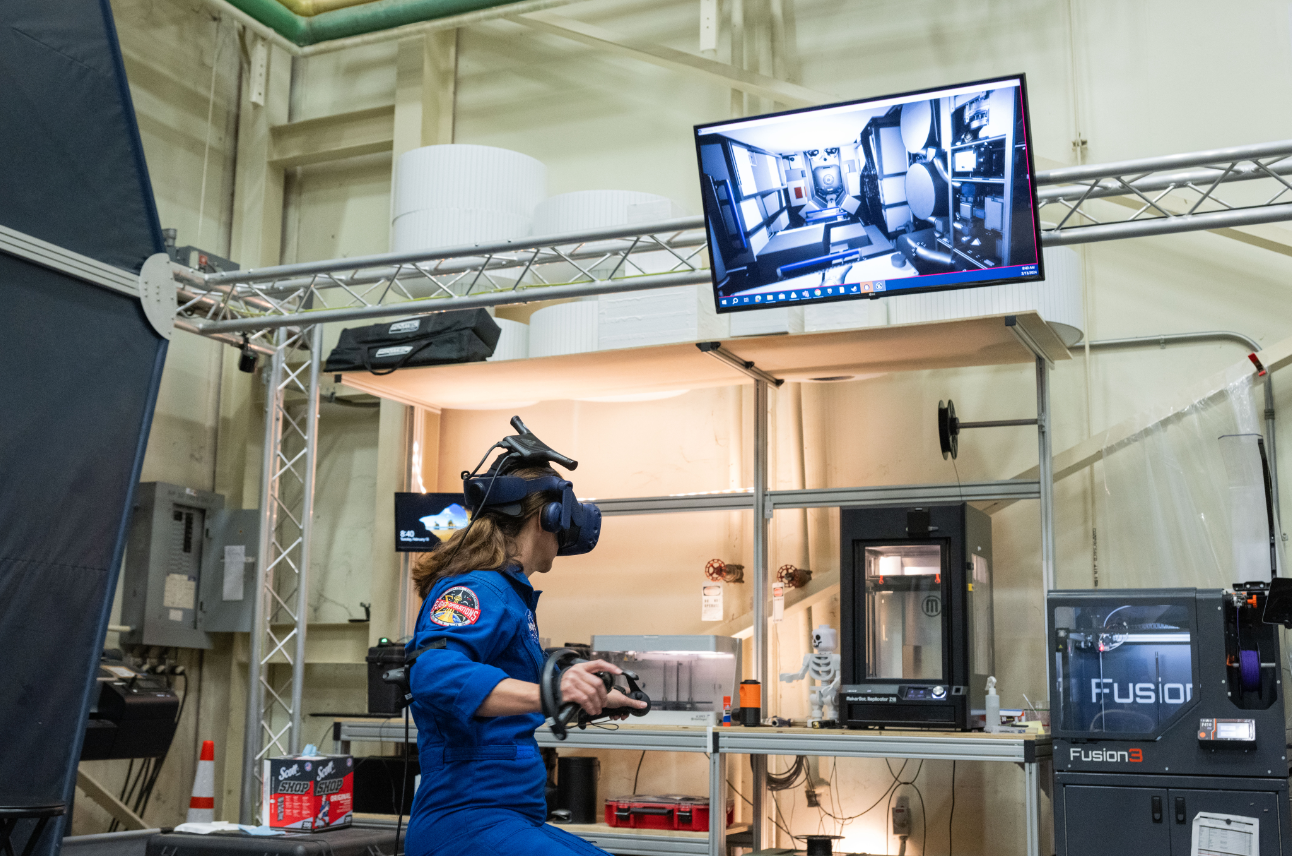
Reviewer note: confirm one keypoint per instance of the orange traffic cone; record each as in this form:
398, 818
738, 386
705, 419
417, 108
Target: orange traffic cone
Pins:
201, 807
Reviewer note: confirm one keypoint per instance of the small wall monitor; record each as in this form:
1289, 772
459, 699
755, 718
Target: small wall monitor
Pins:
925, 191
423, 520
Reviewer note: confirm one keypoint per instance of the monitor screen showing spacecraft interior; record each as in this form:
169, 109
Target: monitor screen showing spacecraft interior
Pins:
925, 191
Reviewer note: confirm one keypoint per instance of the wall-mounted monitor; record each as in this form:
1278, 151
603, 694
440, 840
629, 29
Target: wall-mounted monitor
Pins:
924, 191
423, 520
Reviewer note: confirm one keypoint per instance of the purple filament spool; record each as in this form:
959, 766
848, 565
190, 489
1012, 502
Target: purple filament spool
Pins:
1249, 669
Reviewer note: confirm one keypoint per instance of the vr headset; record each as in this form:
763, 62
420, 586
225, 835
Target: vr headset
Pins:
577, 525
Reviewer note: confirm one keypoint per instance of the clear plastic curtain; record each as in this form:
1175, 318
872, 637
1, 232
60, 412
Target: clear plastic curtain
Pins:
1167, 495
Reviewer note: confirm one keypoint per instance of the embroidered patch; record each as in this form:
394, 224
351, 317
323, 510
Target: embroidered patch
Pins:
533, 627
457, 607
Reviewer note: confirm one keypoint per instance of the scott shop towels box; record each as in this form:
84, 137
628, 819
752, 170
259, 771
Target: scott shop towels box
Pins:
308, 793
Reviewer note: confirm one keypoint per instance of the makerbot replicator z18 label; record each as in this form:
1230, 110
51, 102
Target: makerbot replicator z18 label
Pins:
890, 699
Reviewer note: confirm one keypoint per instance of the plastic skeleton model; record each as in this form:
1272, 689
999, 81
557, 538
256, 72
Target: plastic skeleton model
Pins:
822, 667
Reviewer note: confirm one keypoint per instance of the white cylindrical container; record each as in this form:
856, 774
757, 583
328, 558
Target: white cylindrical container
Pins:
454, 227
586, 210
1057, 299
444, 197
481, 178
566, 328
513, 343
767, 322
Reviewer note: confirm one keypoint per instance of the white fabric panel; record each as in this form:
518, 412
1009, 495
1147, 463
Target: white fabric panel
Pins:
758, 240
892, 151
752, 212
892, 190
513, 344
1057, 299
566, 328
850, 204
480, 178
783, 219
897, 216
585, 210
853, 182
744, 170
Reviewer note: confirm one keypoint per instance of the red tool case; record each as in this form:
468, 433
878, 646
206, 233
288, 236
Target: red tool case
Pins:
671, 811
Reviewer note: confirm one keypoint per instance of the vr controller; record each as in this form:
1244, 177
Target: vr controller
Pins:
562, 713
577, 525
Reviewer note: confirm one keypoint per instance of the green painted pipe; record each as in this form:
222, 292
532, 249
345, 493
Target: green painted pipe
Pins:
356, 20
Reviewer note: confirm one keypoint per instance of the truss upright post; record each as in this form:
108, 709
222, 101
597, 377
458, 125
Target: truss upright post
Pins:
250, 795
1045, 452
307, 528
281, 605
762, 510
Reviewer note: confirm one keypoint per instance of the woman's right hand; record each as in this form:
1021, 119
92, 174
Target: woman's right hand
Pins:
581, 685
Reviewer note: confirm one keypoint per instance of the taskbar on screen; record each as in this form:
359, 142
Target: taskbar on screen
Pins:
878, 288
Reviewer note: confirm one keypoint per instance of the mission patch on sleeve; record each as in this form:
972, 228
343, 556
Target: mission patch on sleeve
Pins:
457, 607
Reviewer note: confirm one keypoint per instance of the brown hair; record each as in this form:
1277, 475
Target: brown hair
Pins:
490, 539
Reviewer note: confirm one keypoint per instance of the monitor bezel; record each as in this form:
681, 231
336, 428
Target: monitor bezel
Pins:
1039, 276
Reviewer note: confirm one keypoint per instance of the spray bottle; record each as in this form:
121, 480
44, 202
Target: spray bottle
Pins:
992, 705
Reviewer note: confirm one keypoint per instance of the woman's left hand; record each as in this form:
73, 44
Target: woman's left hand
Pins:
617, 699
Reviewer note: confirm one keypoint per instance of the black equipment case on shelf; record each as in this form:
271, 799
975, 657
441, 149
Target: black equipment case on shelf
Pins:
384, 697
463, 336
351, 841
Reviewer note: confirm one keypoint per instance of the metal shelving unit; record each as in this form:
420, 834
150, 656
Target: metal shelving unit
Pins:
1153, 196
1027, 750
616, 840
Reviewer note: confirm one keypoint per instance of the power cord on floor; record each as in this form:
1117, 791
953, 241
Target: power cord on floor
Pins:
737, 792
403, 788
951, 816
639, 771
899, 782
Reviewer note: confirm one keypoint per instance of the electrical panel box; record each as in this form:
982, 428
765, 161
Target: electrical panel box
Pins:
180, 581
228, 587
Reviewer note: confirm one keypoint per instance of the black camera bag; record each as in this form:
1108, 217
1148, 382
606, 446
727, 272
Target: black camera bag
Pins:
461, 336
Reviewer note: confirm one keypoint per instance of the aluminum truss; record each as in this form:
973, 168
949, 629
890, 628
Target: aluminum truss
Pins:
273, 717
275, 310
1156, 196
254, 302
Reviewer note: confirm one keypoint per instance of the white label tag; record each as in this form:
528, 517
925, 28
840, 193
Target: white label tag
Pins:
180, 592
711, 602
175, 614
404, 326
394, 351
235, 563
1225, 835
121, 672
778, 601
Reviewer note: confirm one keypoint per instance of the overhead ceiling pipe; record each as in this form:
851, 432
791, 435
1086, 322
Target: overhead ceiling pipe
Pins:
373, 21
310, 8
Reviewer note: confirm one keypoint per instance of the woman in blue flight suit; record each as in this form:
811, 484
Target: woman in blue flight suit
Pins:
475, 691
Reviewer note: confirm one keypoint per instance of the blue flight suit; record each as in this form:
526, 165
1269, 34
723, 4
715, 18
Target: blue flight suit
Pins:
483, 779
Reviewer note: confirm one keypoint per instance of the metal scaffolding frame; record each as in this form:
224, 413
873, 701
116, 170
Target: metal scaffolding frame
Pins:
273, 715
1164, 195
278, 310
